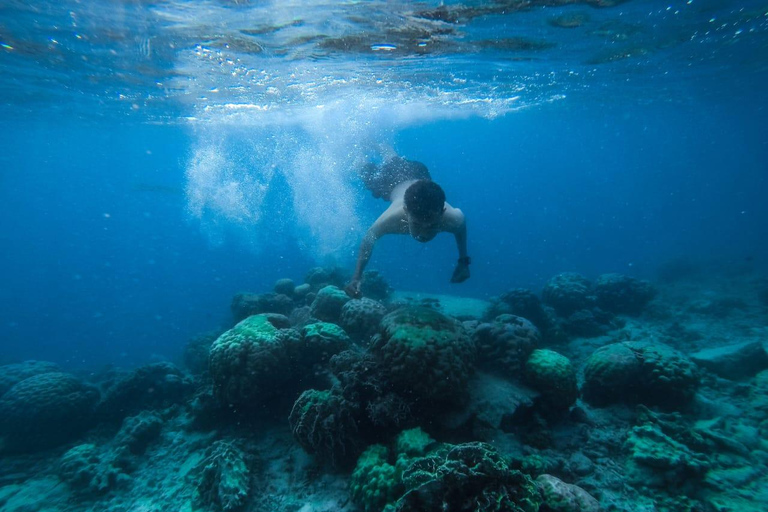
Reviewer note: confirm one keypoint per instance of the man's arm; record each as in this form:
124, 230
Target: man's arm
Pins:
457, 224
385, 224
366, 249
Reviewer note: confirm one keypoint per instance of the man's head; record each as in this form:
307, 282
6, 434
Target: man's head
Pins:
424, 205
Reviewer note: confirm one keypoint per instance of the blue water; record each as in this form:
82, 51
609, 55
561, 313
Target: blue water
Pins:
156, 159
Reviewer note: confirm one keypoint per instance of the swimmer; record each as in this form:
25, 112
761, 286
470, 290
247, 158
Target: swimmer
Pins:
417, 208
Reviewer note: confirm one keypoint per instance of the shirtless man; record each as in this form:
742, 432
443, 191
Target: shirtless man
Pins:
417, 208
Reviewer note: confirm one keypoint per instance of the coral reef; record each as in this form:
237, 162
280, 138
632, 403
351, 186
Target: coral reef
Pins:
320, 277
568, 292
552, 375
324, 424
361, 317
138, 432
86, 471
524, 303
375, 483
559, 496
153, 386
11, 374
374, 286
505, 343
321, 341
640, 372
250, 363
328, 304
426, 355
363, 381
685, 434
623, 294
222, 477
247, 304
197, 350
470, 476
45, 410
285, 287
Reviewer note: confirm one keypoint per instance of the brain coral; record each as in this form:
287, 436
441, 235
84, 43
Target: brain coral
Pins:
250, 363
640, 372
426, 355
505, 343
45, 410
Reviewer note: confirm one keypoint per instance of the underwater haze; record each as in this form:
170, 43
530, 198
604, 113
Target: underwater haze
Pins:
164, 164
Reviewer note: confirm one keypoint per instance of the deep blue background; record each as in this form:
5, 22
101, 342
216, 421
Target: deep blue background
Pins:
101, 264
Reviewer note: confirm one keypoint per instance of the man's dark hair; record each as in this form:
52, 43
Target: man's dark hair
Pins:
424, 198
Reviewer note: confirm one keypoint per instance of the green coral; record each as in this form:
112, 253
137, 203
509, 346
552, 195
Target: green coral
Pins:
250, 363
413, 443
552, 375
375, 483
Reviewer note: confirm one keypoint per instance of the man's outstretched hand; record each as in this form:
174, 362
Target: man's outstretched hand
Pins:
353, 289
460, 273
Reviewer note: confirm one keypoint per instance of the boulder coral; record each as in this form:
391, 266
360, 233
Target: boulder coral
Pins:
324, 424
374, 286
250, 363
363, 381
622, 294
328, 303
552, 375
505, 343
361, 317
152, 386
11, 374
568, 292
247, 304
426, 356
45, 410
640, 372
321, 341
